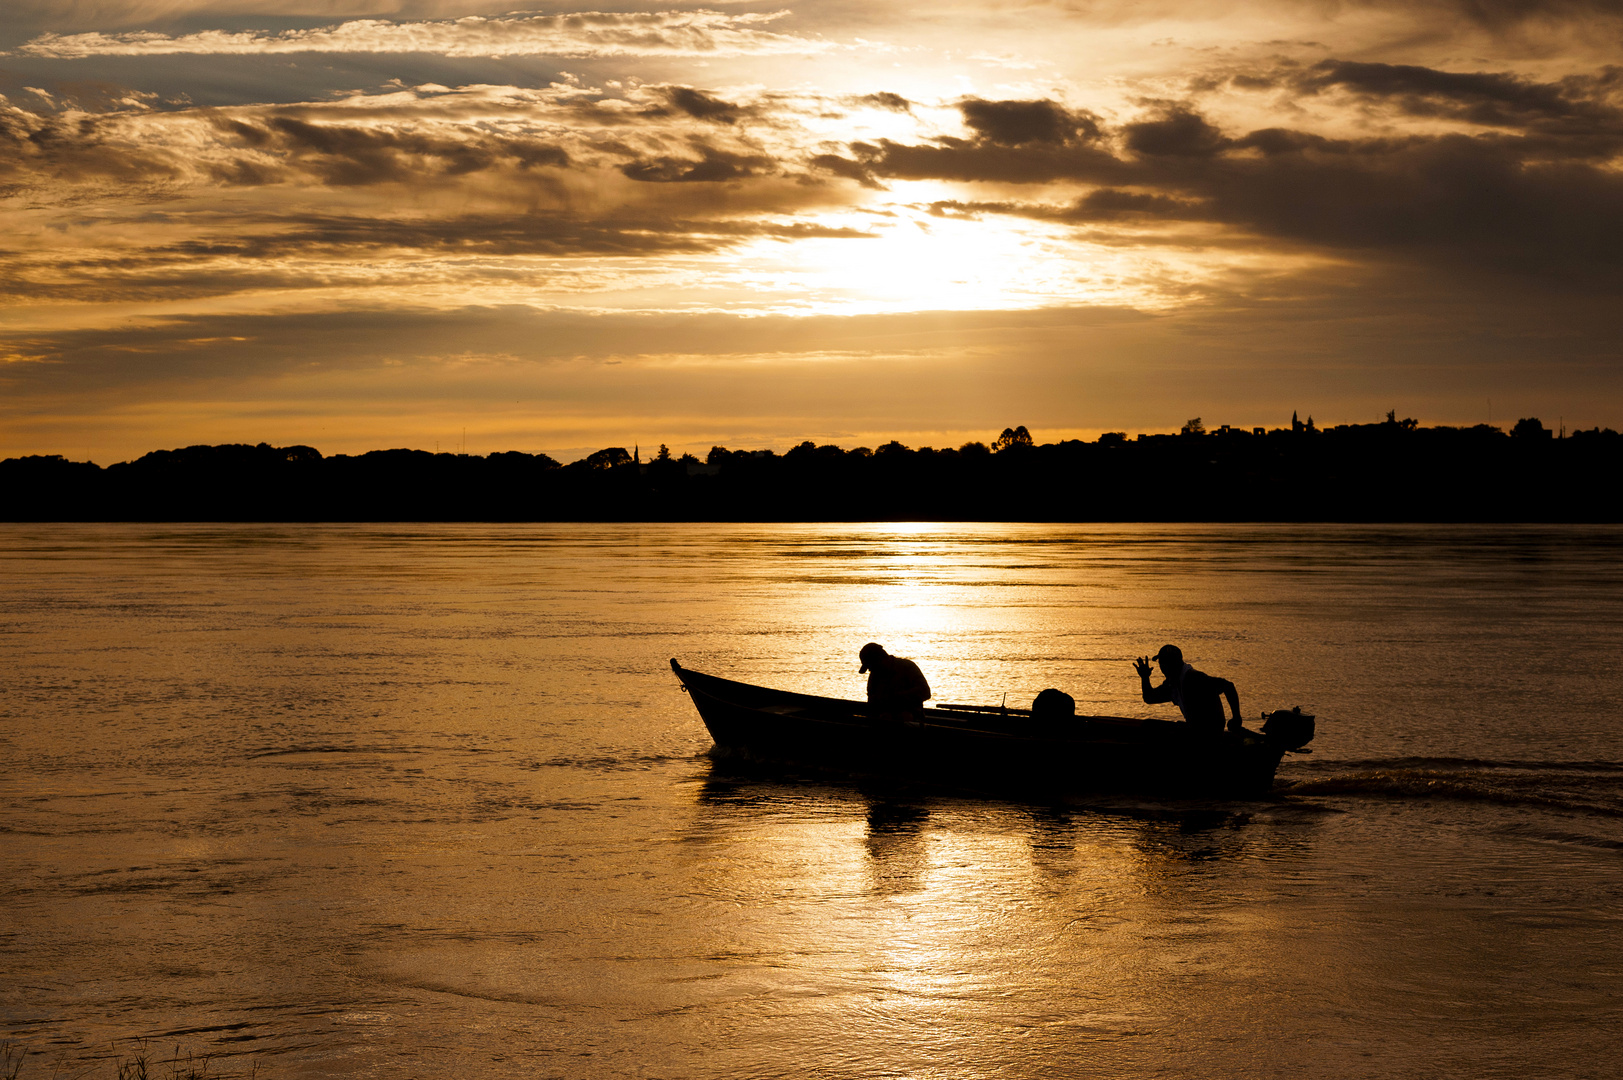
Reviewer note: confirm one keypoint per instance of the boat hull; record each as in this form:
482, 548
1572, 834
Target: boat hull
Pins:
1000, 751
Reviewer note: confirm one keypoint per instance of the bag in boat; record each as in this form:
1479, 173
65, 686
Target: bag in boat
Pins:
1053, 704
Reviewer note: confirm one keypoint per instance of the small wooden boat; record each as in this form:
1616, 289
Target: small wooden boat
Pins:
998, 750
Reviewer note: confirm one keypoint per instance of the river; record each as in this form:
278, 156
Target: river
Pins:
406, 800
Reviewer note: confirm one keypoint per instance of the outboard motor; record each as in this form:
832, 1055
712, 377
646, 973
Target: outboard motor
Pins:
1292, 730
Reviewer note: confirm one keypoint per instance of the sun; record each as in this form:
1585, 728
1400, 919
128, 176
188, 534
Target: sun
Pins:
917, 252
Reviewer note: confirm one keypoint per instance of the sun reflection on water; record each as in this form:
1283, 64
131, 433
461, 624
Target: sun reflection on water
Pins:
923, 920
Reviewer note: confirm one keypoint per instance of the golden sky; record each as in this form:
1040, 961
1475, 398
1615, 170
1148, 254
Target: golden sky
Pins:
383, 223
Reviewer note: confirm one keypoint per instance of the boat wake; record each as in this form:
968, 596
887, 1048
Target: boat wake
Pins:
1591, 788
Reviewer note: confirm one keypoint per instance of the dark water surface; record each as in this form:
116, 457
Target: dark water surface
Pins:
403, 801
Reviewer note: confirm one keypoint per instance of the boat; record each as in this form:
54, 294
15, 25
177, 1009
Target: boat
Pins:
995, 750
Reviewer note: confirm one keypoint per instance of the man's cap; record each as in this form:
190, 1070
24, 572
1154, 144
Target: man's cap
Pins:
1169, 650
868, 654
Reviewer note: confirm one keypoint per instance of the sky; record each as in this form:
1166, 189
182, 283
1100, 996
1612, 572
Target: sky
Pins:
362, 224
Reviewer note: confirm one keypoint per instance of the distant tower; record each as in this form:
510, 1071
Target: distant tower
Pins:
636, 454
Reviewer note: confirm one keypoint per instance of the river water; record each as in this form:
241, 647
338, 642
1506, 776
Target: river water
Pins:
400, 801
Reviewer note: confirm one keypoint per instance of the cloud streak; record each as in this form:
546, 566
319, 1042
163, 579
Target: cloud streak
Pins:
498, 188
583, 34
1543, 198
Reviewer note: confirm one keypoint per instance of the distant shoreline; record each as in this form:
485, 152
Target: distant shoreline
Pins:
1391, 472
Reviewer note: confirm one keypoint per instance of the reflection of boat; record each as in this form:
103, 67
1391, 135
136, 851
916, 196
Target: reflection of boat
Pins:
993, 749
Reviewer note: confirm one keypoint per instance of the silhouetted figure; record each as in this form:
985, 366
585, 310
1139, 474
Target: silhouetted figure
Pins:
895, 685
1197, 694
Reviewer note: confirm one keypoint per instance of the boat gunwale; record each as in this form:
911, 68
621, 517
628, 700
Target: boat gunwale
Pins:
947, 717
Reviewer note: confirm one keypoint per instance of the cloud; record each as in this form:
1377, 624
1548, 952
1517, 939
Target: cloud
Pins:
1019, 123
103, 13
702, 106
712, 165
1472, 204
482, 185
294, 252
1099, 205
584, 34
428, 136
1489, 99
847, 168
1035, 141
1499, 14
256, 147
1453, 197
885, 100
1542, 201
1111, 204
80, 149
976, 161
353, 154
1179, 131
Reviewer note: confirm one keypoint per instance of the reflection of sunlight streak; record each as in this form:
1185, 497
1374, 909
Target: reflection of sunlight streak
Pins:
909, 528
905, 609
921, 920
907, 628
924, 924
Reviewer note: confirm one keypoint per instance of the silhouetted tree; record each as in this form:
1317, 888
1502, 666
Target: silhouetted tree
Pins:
1012, 437
1390, 471
1530, 428
608, 458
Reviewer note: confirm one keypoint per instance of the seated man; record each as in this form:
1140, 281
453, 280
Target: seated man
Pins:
1194, 692
895, 685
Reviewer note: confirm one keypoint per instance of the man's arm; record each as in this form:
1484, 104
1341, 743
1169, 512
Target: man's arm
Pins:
1153, 695
918, 686
1234, 704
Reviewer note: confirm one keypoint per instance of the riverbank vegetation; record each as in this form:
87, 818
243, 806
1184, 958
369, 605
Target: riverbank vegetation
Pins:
1395, 470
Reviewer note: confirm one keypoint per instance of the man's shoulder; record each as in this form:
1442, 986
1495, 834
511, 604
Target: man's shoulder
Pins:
909, 671
1197, 678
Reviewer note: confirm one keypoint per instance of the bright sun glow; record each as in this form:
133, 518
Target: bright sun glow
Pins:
926, 256
916, 261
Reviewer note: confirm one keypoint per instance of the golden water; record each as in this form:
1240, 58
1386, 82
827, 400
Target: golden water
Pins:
399, 801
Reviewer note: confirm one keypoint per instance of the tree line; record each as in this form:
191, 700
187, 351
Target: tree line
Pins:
1390, 471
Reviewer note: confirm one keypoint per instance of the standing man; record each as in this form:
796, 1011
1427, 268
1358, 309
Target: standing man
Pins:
1196, 693
895, 685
